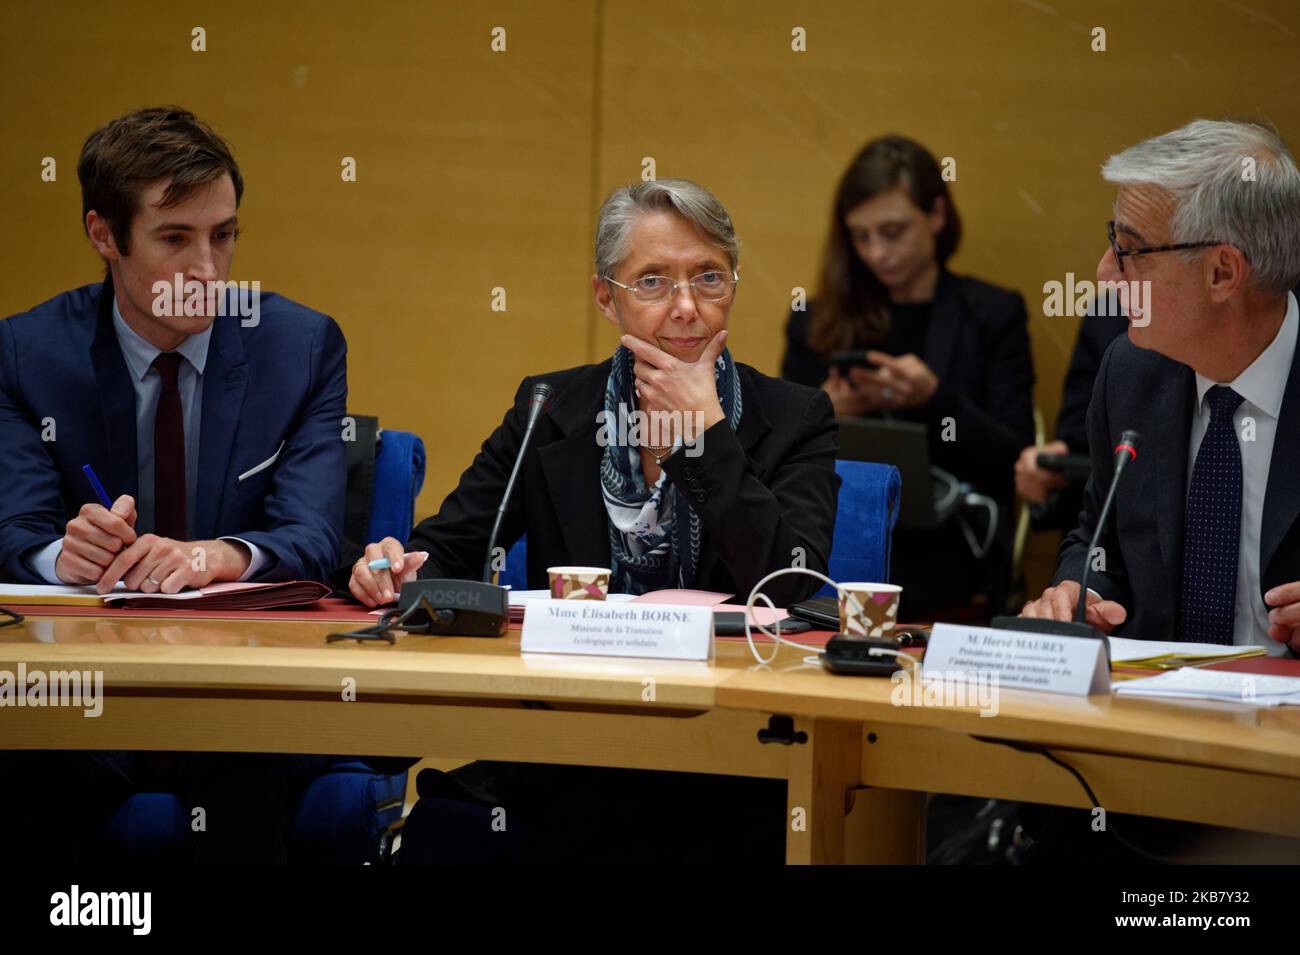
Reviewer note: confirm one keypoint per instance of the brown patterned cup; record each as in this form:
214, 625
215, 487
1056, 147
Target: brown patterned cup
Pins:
579, 583
869, 610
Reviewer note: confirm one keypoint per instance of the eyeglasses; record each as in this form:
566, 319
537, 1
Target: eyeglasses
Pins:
1120, 253
711, 286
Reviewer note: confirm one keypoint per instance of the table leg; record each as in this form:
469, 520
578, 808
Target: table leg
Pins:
886, 827
823, 771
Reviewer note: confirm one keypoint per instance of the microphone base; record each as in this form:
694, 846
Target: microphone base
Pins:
1053, 628
458, 608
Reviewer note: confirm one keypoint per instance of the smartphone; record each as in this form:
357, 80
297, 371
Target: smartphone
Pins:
731, 623
845, 361
1071, 466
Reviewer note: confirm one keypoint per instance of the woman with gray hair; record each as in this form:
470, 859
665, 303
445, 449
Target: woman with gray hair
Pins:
674, 466
668, 462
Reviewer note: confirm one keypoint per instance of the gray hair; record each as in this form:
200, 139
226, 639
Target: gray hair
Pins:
689, 200
1204, 166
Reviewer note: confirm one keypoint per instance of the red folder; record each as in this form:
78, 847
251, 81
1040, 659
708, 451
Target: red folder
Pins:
231, 596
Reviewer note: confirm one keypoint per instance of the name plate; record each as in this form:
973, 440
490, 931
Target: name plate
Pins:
1021, 661
600, 628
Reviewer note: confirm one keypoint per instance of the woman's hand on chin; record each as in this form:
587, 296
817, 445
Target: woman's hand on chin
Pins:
666, 384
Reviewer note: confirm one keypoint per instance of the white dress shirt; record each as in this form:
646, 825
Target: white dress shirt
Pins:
1261, 386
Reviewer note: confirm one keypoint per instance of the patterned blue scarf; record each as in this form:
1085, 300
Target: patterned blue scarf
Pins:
654, 533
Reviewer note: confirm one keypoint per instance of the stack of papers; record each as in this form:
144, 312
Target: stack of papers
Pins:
223, 597
228, 596
1250, 688
518, 598
1167, 655
53, 595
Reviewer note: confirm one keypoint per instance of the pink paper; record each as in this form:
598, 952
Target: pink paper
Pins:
762, 616
228, 587
689, 598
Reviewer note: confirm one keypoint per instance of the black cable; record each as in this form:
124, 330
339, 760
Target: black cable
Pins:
17, 618
1110, 828
390, 621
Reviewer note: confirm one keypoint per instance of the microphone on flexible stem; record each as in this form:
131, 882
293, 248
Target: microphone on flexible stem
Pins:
471, 608
537, 403
1125, 451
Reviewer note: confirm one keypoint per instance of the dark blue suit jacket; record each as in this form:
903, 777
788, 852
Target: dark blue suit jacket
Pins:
282, 380
1142, 389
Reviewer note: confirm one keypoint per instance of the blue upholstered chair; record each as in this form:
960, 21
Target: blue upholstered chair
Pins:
867, 511
515, 573
864, 522
344, 810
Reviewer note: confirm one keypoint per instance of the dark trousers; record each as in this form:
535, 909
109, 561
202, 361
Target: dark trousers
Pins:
57, 805
536, 813
1066, 836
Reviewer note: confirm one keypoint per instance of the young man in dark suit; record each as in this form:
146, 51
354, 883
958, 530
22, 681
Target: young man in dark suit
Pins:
218, 438
217, 434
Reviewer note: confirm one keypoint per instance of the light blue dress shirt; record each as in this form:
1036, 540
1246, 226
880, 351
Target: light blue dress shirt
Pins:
146, 381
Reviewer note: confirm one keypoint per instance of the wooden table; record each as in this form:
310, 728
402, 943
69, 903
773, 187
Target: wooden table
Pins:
279, 687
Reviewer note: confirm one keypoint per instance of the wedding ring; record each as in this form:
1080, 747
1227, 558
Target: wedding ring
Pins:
156, 583
887, 393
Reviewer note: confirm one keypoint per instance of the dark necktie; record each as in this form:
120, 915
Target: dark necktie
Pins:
169, 452
1213, 533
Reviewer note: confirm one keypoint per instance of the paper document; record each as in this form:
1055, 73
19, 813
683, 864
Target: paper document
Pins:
1169, 655
684, 598
1192, 683
519, 597
54, 594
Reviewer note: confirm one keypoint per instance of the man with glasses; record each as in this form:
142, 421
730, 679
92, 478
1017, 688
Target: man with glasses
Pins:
1203, 543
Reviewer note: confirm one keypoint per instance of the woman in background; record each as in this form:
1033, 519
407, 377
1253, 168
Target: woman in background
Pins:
949, 351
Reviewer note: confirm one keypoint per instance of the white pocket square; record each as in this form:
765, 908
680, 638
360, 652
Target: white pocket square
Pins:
264, 465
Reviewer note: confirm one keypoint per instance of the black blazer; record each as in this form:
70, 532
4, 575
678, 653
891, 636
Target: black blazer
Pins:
1096, 332
761, 492
1061, 510
1142, 389
977, 344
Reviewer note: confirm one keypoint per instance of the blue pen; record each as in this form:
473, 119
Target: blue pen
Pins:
380, 564
99, 488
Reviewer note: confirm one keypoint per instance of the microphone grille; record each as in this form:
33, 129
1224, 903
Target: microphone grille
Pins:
542, 394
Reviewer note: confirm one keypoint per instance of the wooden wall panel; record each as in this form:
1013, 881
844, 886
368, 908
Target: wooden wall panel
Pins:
479, 169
